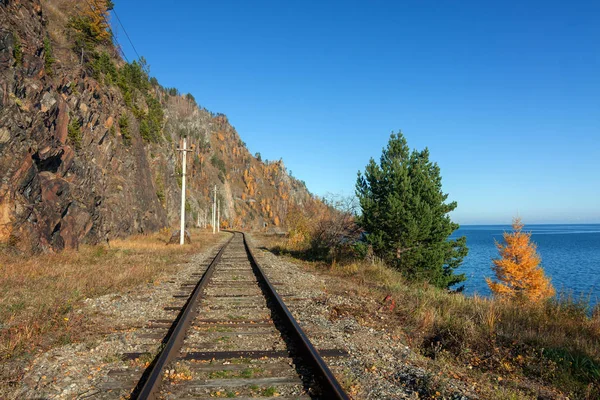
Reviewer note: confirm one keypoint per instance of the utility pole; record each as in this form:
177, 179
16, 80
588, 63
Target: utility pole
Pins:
214, 215
184, 151
219, 216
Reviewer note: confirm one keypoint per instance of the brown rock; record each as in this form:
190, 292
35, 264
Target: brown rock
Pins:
53, 195
67, 159
47, 102
75, 225
175, 237
4, 135
62, 122
5, 219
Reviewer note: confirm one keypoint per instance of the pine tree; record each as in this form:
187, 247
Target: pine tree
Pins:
405, 215
518, 271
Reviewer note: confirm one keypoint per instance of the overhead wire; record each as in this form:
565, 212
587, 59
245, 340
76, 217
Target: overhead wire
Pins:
115, 38
112, 35
130, 41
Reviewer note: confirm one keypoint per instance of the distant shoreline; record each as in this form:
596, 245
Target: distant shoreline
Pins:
540, 224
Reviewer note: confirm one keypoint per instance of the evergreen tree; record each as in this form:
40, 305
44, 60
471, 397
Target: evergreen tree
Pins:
405, 215
517, 270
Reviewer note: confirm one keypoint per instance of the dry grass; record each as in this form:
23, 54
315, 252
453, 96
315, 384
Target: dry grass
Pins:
39, 293
520, 350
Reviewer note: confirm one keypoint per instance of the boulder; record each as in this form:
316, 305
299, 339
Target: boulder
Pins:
175, 238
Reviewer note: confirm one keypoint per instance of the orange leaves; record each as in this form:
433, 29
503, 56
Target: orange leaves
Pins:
97, 12
518, 272
250, 182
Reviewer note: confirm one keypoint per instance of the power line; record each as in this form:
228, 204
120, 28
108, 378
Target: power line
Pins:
112, 35
128, 38
126, 34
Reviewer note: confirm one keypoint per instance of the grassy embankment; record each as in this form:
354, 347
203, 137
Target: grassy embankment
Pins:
505, 350
39, 294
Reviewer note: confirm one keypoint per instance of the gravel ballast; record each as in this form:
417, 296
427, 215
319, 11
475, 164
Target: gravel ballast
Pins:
378, 364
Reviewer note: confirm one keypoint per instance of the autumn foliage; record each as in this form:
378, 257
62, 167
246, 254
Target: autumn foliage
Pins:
518, 271
97, 13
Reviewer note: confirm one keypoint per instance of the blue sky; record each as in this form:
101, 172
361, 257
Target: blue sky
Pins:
506, 95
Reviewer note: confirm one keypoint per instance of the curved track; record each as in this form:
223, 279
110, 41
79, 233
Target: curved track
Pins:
236, 338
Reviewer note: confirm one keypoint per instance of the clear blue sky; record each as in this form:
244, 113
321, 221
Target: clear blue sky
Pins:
505, 94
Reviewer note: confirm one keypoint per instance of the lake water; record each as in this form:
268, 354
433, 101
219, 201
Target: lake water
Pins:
570, 256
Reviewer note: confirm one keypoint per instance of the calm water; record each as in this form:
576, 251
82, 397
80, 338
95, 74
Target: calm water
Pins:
570, 256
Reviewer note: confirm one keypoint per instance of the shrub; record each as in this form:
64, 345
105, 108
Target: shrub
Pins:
161, 196
17, 50
74, 133
81, 35
218, 163
155, 118
152, 122
323, 233
103, 65
134, 76
203, 144
48, 57
336, 232
131, 77
145, 130
124, 128
190, 98
361, 250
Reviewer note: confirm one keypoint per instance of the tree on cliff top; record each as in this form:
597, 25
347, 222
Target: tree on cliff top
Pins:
405, 215
98, 15
93, 21
518, 271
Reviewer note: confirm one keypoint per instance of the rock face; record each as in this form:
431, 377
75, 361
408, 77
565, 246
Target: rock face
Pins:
176, 237
70, 173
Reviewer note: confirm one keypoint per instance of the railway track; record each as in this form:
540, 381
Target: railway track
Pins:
234, 337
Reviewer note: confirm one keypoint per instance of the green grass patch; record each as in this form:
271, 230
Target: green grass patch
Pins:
49, 59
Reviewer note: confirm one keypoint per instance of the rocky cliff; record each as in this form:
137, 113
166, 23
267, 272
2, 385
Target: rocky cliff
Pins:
88, 142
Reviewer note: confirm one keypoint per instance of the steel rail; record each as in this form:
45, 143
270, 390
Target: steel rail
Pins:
150, 389
330, 387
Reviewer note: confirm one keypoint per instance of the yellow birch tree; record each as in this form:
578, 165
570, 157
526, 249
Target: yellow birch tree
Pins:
518, 271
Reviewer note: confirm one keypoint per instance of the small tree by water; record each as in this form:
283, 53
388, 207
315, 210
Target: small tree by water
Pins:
518, 271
